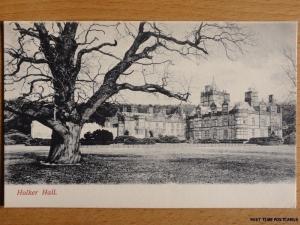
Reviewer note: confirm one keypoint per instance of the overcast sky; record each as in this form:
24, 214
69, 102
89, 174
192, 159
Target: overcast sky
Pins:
260, 66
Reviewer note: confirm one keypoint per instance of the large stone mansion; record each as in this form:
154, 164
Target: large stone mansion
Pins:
149, 121
213, 118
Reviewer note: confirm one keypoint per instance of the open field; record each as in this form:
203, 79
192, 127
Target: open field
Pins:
160, 163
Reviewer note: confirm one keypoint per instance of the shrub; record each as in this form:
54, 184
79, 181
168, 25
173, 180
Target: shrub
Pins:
148, 141
15, 137
8, 141
98, 137
120, 139
273, 140
130, 140
237, 141
168, 139
206, 141
39, 142
290, 139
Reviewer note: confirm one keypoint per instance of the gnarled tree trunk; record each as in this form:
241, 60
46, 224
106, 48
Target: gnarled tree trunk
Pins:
65, 149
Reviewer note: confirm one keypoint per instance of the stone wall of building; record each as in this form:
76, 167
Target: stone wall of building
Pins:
212, 94
143, 125
243, 121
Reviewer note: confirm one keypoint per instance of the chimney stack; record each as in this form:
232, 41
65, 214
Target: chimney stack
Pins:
271, 99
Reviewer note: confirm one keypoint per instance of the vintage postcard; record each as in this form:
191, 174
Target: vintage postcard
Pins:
150, 114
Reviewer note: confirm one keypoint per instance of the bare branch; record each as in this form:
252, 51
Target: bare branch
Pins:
88, 50
154, 88
90, 29
39, 111
179, 42
290, 69
32, 85
30, 32
21, 59
32, 75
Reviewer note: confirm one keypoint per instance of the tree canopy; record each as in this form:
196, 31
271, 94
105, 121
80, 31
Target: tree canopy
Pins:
52, 66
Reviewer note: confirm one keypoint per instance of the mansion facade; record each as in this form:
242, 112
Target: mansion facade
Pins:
148, 121
214, 118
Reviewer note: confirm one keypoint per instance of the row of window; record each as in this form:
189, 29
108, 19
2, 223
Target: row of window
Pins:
226, 122
224, 134
160, 124
160, 131
212, 134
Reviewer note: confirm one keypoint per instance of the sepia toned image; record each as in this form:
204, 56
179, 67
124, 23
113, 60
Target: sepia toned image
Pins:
150, 114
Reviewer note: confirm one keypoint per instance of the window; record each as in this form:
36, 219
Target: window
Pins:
225, 122
233, 133
215, 122
253, 133
206, 134
253, 121
278, 109
263, 122
225, 134
241, 133
239, 121
215, 134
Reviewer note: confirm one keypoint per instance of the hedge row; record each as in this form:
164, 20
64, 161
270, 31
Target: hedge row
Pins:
214, 141
14, 138
273, 140
130, 140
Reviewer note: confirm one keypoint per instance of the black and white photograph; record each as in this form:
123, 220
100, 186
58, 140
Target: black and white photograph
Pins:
152, 114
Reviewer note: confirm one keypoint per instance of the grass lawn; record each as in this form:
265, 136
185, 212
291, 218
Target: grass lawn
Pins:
160, 163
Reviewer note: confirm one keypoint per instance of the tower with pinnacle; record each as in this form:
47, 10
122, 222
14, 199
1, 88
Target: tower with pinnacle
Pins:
212, 94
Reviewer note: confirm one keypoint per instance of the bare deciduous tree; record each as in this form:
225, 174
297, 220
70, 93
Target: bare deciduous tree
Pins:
51, 59
290, 69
